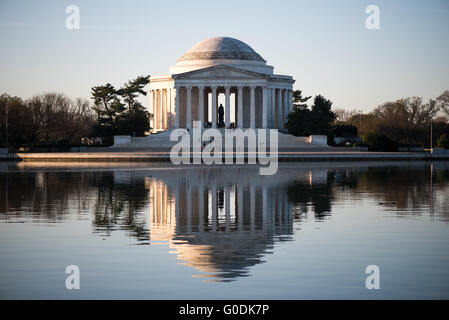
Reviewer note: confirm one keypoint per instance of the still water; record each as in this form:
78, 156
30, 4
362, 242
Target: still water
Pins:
155, 231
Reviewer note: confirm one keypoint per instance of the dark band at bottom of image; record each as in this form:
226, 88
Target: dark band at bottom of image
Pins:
231, 309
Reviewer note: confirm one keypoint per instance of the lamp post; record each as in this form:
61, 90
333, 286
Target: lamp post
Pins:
6, 126
360, 124
431, 134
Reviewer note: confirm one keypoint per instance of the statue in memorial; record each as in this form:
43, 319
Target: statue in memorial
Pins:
220, 116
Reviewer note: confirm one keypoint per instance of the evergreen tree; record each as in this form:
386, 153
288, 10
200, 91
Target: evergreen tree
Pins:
131, 90
135, 122
299, 101
324, 116
118, 111
108, 107
304, 121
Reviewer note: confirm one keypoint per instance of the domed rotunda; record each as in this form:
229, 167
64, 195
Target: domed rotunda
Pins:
226, 69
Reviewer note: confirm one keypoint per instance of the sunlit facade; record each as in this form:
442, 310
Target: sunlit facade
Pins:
254, 95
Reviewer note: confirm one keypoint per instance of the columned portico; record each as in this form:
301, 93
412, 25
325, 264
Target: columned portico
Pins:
251, 95
274, 106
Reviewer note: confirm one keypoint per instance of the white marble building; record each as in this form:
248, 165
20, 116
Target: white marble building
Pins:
254, 97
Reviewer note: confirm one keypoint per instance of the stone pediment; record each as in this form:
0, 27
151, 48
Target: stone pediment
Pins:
220, 72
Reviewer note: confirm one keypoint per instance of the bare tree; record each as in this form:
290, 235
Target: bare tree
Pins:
406, 120
59, 118
77, 120
443, 100
343, 116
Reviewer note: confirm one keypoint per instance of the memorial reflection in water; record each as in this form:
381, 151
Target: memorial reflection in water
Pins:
219, 223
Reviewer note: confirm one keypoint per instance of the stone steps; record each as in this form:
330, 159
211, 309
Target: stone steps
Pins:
162, 141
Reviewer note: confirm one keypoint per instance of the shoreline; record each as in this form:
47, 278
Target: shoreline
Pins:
165, 156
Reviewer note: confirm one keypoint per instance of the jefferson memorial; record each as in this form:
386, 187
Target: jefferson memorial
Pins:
254, 97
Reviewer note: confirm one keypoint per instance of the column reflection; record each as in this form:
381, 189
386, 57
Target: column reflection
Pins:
218, 226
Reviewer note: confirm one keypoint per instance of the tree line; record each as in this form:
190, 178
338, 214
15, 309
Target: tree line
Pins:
54, 119
45, 119
404, 122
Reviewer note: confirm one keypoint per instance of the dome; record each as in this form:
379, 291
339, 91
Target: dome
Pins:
221, 51
221, 48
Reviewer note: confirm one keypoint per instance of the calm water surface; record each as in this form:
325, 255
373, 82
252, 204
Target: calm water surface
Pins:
161, 232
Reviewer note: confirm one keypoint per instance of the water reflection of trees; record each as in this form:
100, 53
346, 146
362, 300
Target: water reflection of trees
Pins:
54, 196
404, 189
409, 189
119, 205
43, 196
218, 221
315, 196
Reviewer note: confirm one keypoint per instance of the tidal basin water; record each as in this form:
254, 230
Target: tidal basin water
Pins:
156, 231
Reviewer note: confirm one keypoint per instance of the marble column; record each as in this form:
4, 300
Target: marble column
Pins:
161, 105
206, 105
214, 107
157, 108
176, 94
189, 108
273, 108
172, 107
268, 107
264, 107
158, 105
164, 109
168, 107
240, 107
201, 104
253, 108
290, 101
279, 108
155, 94
152, 104
286, 106
153, 108
228, 107
236, 113
169, 111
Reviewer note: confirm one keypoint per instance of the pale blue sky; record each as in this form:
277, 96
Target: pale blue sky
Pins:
324, 45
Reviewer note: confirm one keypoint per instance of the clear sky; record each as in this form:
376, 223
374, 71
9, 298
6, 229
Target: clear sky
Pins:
324, 45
